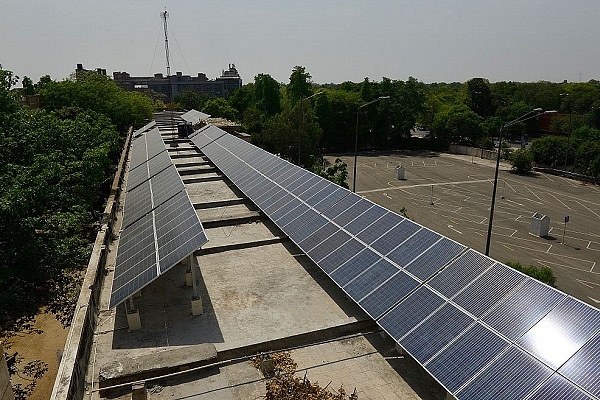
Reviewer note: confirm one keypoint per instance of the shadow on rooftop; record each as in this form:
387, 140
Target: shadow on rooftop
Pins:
166, 316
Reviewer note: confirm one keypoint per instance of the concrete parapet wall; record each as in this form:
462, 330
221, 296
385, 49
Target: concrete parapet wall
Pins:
70, 381
473, 151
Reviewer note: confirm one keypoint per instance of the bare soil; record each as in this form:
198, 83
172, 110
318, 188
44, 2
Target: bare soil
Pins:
43, 347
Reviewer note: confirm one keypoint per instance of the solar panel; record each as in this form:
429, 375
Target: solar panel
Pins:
410, 312
434, 333
354, 266
562, 332
369, 217
138, 203
459, 273
165, 185
558, 387
352, 212
315, 222
413, 247
463, 358
336, 195
178, 230
509, 377
389, 293
329, 245
340, 255
398, 234
584, 367
488, 289
374, 231
434, 259
318, 236
370, 279
515, 314
306, 185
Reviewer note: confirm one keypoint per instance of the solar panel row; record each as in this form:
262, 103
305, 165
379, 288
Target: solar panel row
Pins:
160, 225
482, 329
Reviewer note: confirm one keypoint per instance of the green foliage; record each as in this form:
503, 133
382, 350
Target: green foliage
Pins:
220, 108
267, 96
99, 93
337, 173
587, 159
542, 274
28, 87
192, 99
300, 85
521, 161
458, 125
479, 96
549, 150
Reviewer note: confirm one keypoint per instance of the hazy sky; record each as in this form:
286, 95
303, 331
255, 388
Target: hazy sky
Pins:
336, 40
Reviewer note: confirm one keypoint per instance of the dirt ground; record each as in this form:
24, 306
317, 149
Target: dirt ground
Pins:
41, 347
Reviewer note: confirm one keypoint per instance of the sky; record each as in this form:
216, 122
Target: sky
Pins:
336, 40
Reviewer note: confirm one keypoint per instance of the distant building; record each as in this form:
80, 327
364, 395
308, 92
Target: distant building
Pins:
222, 86
99, 71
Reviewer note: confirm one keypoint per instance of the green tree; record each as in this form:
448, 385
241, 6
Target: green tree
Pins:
267, 97
219, 107
300, 85
549, 150
479, 96
521, 161
28, 87
192, 99
337, 173
542, 274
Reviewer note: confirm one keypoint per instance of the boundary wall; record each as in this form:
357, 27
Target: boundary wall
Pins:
70, 380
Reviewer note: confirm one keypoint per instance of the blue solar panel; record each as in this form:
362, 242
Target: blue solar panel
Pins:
329, 245
464, 357
370, 279
340, 255
310, 227
517, 313
488, 289
315, 238
562, 332
459, 273
309, 183
165, 185
410, 312
374, 231
388, 294
436, 332
343, 205
293, 204
398, 234
413, 247
354, 266
353, 212
559, 388
434, 259
333, 195
584, 367
510, 377
365, 219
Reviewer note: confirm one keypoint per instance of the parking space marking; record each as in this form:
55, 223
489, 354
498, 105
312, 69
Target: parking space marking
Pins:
587, 208
533, 193
569, 208
425, 184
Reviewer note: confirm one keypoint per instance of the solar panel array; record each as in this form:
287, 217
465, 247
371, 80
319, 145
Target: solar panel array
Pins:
194, 116
160, 225
481, 329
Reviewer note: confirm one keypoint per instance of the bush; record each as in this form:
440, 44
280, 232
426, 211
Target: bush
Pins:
542, 274
521, 161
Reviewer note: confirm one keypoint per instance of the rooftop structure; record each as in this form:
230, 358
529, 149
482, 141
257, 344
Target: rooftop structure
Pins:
294, 262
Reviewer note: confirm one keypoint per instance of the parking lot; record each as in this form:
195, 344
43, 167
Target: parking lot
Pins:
451, 194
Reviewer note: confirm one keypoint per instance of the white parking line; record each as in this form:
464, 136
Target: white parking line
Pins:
587, 208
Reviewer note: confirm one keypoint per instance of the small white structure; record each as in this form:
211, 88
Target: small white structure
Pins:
540, 224
400, 170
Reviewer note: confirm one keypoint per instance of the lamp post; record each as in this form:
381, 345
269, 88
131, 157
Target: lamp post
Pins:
531, 114
356, 137
302, 123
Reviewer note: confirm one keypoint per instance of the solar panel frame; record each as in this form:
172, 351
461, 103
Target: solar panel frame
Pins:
354, 266
557, 387
583, 367
435, 258
386, 295
395, 236
370, 279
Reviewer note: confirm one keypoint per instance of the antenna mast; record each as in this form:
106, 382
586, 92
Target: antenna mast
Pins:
164, 15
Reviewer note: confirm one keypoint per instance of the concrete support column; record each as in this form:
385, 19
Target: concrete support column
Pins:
6, 392
399, 349
133, 315
139, 392
197, 308
449, 396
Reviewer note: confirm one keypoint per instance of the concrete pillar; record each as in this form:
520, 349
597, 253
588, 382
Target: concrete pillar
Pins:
449, 396
399, 349
197, 308
133, 315
6, 392
139, 392
188, 278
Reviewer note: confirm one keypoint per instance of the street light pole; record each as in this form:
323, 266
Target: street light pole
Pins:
356, 137
302, 123
522, 118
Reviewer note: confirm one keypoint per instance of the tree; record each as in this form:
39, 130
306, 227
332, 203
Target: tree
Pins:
267, 96
479, 96
549, 150
192, 99
337, 173
300, 85
521, 161
219, 107
28, 87
542, 274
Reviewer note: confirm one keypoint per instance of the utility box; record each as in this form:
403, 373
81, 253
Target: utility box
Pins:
184, 129
540, 224
400, 170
